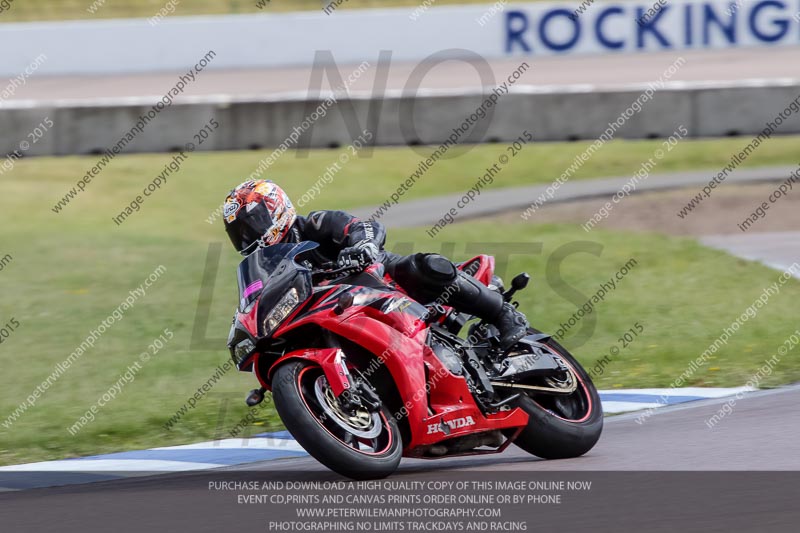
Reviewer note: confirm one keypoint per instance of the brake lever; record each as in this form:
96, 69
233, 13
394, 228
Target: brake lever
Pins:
330, 274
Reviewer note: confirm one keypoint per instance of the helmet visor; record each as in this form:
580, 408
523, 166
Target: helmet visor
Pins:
248, 228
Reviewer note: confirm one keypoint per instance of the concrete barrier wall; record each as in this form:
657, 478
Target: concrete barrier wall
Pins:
553, 115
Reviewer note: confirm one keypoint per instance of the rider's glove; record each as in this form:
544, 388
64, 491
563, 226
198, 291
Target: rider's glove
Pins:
361, 255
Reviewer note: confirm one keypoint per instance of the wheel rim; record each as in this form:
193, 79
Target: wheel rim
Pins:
368, 435
360, 423
576, 407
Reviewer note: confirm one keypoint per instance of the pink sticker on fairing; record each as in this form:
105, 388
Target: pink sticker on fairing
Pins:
253, 287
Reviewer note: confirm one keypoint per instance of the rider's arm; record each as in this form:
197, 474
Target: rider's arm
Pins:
343, 229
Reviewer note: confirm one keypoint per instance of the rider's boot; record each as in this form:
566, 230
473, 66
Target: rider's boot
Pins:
469, 295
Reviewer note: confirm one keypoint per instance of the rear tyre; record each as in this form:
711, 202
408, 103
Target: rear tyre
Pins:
358, 445
561, 427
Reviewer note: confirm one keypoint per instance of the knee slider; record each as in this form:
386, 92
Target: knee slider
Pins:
437, 269
425, 276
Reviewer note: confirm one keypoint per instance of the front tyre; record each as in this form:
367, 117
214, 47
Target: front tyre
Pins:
358, 445
559, 426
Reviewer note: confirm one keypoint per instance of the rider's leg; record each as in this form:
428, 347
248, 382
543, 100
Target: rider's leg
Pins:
432, 277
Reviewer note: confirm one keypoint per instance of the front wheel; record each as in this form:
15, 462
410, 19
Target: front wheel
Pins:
357, 444
561, 426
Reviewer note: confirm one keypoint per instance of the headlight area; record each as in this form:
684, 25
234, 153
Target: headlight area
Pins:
242, 351
240, 344
282, 309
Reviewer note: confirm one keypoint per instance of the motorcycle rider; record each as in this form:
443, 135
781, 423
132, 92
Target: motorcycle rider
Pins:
258, 212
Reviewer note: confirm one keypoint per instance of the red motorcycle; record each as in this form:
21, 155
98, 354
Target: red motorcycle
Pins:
361, 374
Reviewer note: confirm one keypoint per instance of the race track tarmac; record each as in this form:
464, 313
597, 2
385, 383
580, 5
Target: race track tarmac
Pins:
658, 489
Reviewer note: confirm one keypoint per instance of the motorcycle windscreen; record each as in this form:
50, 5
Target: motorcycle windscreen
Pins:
262, 268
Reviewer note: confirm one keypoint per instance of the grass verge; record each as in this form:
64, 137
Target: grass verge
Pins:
364, 180
34, 10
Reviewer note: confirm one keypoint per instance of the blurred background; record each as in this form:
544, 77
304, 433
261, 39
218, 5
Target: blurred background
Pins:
125, 124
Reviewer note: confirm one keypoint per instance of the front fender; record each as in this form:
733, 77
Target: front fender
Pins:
402, 355
331, 360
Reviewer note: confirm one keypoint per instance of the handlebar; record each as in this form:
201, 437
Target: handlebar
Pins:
329, 271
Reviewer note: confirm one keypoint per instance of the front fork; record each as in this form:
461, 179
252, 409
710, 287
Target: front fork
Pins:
352, 391
355, 391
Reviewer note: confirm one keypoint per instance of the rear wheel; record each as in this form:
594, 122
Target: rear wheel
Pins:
561, 425
357, 444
